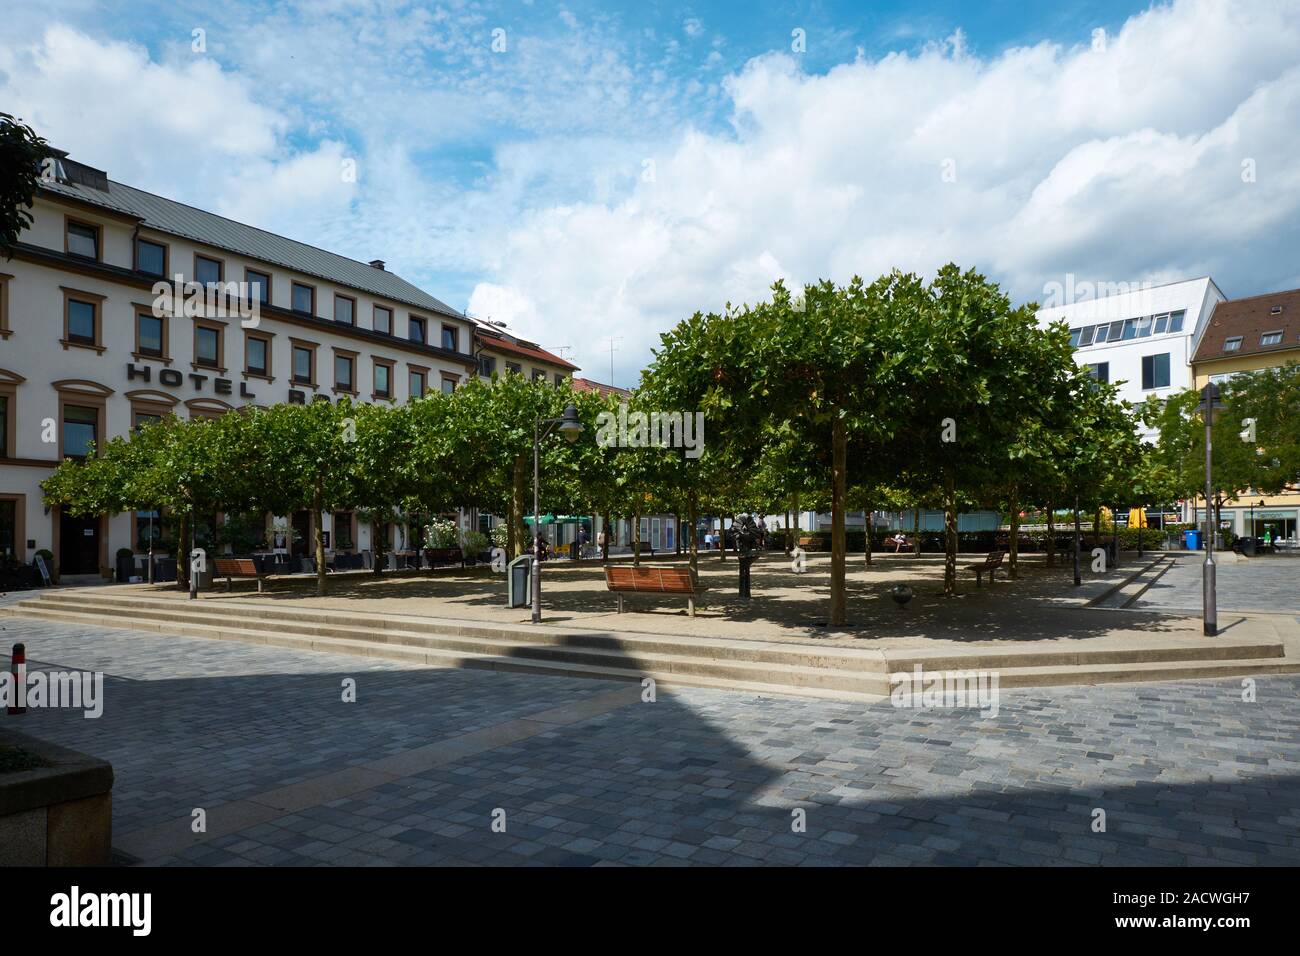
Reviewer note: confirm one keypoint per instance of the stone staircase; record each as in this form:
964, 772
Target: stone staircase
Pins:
762, 667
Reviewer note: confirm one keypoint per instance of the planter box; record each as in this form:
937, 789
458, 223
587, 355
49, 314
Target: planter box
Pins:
57, 815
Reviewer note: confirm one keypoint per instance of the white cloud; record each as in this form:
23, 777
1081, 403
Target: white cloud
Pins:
1115, 165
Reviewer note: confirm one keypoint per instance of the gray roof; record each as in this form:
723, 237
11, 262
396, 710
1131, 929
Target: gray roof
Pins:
178, 219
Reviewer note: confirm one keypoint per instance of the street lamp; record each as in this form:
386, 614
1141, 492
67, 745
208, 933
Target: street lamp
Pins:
1210, 403
570, 428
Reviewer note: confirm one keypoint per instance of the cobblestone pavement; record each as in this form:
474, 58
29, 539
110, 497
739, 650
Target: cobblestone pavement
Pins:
1267, 583
585, 772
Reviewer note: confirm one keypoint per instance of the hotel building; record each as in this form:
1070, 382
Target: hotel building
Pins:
84, 354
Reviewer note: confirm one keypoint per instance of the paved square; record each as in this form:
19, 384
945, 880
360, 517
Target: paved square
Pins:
584, 772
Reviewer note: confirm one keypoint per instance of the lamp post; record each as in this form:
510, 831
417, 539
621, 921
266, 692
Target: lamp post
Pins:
1210, 403
1252, 516
570, 428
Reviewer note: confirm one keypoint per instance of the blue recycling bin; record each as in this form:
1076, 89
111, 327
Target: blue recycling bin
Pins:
1193, 539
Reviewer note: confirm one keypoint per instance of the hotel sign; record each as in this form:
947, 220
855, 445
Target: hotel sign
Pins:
174, 378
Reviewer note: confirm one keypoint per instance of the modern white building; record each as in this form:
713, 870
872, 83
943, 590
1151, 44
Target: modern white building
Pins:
1140, 339
87, 354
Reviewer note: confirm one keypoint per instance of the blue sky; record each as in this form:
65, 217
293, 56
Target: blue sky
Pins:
610, 169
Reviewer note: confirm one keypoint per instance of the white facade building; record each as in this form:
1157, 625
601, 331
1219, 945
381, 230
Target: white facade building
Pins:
85, 354
1141, 340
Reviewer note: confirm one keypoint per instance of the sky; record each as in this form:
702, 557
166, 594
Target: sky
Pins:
588, 172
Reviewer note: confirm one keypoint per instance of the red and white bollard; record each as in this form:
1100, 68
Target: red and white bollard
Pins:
18, 667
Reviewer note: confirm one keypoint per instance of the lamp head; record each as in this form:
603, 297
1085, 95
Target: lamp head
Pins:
570, 427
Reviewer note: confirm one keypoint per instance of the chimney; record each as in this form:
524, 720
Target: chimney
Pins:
377, 264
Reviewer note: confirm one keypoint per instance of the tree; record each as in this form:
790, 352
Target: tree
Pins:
22, 157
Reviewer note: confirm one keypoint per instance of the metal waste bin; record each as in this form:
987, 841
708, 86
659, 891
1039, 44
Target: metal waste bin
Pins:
518, 576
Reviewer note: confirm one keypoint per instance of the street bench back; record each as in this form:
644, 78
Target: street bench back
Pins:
236, 568
659, 579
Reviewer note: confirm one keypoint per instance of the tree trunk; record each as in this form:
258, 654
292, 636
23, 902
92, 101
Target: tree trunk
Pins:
949, 535
866, 532
692, 509
722, 536
183, 553
916, 532
517, 533
1078, 535
839, 465
794, 527
320, 541
1013, 546
604, 548
677, 538
636, 539
378, 546
1051, 536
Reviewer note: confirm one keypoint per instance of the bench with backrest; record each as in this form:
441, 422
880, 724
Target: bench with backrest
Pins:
651, 580
230, 568
437, 556
992, 561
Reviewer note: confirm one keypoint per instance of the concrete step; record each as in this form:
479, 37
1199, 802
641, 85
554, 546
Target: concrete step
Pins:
464, 635
758, 667
758, 679
424, 649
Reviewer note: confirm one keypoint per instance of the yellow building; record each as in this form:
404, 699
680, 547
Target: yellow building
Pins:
1246, 335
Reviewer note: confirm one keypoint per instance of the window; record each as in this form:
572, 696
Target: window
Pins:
304, 365
1232, 343
345, 309
141, 419
343, 540
259, 286
1162, 323
383, 380
83, 322
343, 365
11, 539
4, 426
415, 384
450, 338
149, 335
304, 298
417, 330
207, 346
514, 367
257, 356
1176, 321
4, 305
80, 430
383, 320
487, 365
83, 240
1155, 371
449, 384
1100, 371
150, 257
559, 379
1143, 327
1086, 334
539, 375
207, 270
1271, 338
1074, 337
1130, 329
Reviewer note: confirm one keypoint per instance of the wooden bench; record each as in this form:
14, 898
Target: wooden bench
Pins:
660, 580
992, 562
436, 556
230, 568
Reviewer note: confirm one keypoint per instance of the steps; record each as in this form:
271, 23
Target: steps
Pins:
760, 667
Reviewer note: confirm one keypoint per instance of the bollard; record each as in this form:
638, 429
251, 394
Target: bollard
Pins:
18, 667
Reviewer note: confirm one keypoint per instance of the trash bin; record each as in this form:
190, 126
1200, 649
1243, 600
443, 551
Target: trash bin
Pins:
1248, 547
1193, 539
